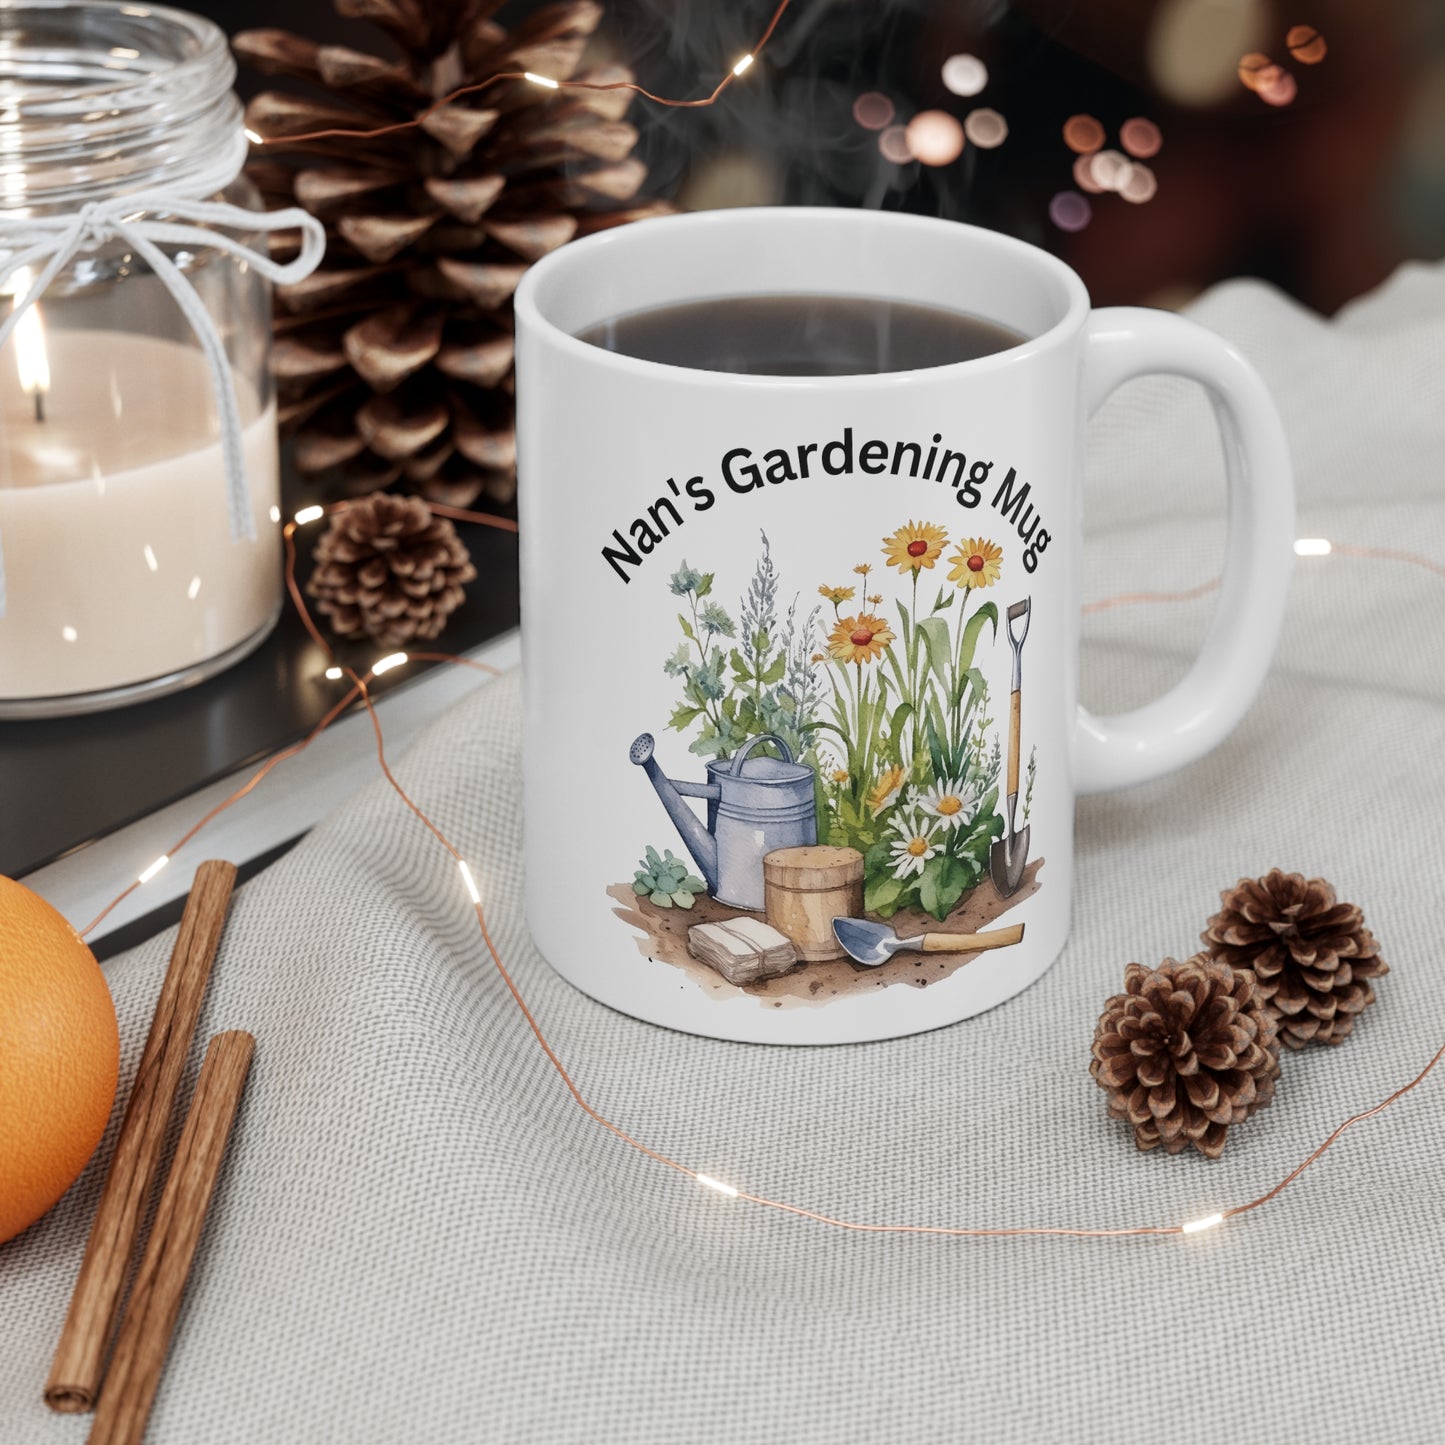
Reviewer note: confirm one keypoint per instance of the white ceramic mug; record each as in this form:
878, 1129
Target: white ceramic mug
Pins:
805, 649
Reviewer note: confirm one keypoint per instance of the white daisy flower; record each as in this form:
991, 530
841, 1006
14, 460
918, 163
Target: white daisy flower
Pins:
914, 845
951, 804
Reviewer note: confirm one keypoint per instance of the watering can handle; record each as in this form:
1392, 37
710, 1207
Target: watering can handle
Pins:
1131, 747
751, 743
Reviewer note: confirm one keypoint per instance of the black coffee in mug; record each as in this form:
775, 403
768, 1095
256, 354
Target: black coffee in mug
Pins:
801, 335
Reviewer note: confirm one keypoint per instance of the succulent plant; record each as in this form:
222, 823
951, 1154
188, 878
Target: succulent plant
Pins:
666, 881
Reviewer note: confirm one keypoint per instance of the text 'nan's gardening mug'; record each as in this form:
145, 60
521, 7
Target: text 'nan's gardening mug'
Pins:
801, 651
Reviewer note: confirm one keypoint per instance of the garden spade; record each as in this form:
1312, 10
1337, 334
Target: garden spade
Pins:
875, 943
1007, 857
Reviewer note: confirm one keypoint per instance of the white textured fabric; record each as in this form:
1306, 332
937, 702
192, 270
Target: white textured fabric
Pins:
418, 1236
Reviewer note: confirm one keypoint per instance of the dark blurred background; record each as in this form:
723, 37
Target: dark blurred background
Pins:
1319, 166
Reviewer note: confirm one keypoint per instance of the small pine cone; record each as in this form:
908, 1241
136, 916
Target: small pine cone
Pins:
1313, 957
388, 570
1185, 1051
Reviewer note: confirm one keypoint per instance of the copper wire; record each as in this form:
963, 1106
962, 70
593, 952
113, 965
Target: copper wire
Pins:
343, 133
359, 689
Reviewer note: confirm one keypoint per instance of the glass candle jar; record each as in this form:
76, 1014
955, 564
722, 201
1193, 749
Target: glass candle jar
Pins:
130, 567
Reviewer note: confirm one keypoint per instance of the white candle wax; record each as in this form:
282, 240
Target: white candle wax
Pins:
114, 522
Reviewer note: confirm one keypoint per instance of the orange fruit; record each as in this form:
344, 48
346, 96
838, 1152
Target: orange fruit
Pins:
59, 1056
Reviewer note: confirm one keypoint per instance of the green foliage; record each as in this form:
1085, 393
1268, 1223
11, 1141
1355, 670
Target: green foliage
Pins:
889, 736
665, 880
757, 687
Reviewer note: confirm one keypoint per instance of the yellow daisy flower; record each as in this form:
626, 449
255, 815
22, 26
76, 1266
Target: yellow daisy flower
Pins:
976, 563
885, 788
819, 657
840, 775
876, 599
859, 639
835, 595
863, 569
916, 545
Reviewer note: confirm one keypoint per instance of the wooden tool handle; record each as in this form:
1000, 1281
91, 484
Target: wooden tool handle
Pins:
1014, 709
972, 942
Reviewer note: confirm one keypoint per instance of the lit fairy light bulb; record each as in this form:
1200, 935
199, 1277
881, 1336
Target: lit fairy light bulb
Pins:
31, 359
1083, 134
1276, 86
964, 74
1070, 211
1306, 44
150, 872
893, 142
934, 137
473, 892
708, 1182
742, 64
1140, 138
1084, 175
1251, 67
1140, 185
873, 111
545, 81
1110, 170
985, 128
1198, 1226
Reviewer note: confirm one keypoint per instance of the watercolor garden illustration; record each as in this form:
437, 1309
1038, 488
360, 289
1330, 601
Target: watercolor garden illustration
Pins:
855, 768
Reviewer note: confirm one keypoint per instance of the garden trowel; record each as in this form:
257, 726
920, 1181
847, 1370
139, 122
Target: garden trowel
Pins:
875, 943
1008, 857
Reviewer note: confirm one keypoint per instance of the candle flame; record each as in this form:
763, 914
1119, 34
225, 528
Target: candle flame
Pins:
31, 359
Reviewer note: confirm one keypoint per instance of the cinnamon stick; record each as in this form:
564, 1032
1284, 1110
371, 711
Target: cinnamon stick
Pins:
155, 1298
79, 1363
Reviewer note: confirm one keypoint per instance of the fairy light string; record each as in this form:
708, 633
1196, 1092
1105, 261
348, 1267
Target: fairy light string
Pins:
545, 82
360, 691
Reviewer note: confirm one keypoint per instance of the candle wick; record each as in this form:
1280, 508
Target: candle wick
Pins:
39, 404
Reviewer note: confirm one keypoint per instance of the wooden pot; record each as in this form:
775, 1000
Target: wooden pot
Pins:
805, 889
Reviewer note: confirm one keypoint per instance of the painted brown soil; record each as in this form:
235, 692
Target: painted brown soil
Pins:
664, 938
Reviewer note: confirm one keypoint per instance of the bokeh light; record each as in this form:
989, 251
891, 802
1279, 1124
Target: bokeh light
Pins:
1140, 137
1070, 211
893, 142
1083, 134
1194, 46
1306, 44
873, 111
1140, 184
1277, 86
1110, 170
985, 128
965, 74
934, 137
1084, 175
1251, 67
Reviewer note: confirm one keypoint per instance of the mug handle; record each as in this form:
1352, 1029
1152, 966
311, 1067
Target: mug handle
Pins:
1197, 713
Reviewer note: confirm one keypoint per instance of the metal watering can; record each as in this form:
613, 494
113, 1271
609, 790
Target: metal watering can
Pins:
754, 805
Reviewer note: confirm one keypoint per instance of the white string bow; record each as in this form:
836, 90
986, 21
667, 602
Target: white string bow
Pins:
52, 242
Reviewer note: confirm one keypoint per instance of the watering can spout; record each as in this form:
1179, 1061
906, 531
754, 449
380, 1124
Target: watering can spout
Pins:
700, 843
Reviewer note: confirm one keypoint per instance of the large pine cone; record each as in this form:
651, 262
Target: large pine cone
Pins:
394, 360
388, 570
1185, 1051
1313, 956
